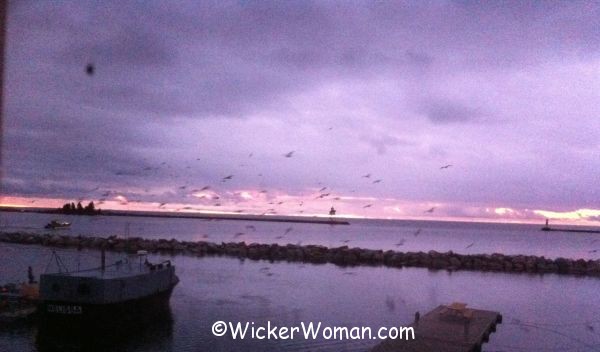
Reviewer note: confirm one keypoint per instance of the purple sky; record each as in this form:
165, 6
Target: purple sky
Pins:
186, 93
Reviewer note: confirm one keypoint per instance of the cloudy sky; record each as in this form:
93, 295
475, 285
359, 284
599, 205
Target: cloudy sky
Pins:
185, 94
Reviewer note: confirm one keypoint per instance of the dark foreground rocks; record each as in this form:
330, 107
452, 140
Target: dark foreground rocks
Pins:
343, 256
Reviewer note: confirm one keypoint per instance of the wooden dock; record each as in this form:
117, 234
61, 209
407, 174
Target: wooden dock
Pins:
438, 331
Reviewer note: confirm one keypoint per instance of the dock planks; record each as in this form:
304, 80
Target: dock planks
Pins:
437, 333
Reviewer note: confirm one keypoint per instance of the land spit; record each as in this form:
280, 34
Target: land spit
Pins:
343, 256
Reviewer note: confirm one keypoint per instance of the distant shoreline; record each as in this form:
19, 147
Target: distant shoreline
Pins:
151, 214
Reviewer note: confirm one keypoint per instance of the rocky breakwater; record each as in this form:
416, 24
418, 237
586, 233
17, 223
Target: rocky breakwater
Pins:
343, 256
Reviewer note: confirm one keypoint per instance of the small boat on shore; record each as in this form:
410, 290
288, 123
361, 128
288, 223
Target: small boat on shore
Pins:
55, 224
18, 302
125, 290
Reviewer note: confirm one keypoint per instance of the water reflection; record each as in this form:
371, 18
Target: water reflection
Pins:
148, 333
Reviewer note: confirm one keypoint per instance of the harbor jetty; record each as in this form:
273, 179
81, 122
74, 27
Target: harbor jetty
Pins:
343, 256
322, 220
447, 328
548, 228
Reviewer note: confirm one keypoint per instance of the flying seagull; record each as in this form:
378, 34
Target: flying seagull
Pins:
446, 166
227, 178
289, 155
367, 175
377, 181
430, 210
368, 206
89, 69
469, 246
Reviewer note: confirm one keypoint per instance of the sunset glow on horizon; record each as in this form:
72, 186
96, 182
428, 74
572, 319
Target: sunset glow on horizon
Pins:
585, 217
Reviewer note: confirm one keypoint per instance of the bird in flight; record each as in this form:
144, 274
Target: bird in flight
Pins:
322, 189
430, 210
377, 181
469, 246
288, 230
367, 175
401, 242
89, 69
417, 232
227, 178
289, 155
446, 166
368, 206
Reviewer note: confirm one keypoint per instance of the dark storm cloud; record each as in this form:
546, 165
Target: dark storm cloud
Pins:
449, 112
416, 71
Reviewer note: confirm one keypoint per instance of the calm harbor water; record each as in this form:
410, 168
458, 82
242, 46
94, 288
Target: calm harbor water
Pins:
541, 312
460, 237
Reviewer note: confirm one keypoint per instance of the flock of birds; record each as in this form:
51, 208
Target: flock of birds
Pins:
208, 194
323, 193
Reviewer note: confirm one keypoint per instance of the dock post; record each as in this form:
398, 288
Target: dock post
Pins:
103, 259
417, 317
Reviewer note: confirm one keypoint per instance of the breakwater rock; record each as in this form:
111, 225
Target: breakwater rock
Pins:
343, 256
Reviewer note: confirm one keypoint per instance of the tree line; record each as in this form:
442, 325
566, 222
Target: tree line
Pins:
71, 208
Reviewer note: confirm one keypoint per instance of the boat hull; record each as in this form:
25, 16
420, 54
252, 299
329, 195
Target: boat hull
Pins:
73, 315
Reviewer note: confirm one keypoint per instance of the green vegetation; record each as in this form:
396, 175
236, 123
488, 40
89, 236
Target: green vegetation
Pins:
71, 208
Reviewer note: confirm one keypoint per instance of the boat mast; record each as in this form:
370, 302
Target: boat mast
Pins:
3, 7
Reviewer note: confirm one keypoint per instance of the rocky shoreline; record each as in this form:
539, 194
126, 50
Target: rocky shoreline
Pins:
343, 256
